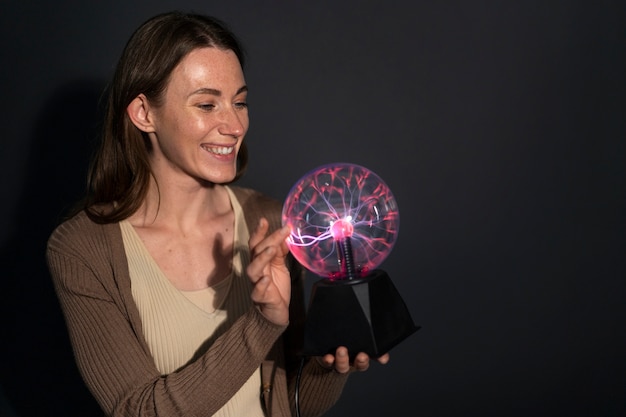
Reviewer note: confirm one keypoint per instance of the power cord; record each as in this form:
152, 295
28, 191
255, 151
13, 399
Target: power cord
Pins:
297, 391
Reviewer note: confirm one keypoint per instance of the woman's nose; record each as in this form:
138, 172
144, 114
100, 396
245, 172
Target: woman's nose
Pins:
234, 122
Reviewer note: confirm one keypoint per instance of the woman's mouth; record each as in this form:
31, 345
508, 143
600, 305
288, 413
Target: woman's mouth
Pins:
219, 150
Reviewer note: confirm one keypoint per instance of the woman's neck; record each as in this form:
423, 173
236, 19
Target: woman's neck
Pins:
181, 207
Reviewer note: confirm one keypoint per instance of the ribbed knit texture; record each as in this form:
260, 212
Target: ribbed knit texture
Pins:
179, 325
90, 272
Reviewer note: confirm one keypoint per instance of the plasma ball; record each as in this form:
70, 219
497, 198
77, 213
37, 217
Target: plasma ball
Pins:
341, 229
343, 218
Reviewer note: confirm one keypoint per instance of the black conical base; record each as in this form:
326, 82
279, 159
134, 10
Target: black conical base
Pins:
365, 315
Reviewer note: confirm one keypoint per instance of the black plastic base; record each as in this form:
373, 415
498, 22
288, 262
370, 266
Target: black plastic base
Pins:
365, 315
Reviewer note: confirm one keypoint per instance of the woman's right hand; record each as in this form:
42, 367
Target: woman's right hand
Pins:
269, 274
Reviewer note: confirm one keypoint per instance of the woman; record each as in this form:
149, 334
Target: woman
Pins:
178, 291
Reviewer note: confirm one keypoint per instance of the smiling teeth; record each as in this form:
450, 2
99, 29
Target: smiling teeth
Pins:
224, 150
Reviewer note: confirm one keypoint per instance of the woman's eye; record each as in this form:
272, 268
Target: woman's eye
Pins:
241, 104
206, 107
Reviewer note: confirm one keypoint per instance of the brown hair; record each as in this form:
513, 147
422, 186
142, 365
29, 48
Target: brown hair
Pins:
120, 171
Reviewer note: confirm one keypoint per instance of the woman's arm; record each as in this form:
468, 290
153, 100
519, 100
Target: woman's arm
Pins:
106, 336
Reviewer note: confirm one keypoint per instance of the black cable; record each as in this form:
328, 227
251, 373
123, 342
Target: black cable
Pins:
297, 393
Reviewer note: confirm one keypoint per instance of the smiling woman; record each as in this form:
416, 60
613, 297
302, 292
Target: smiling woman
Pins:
197, 129
178, 289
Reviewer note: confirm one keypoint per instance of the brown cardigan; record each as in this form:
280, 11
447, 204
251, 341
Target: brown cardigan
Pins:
90, 273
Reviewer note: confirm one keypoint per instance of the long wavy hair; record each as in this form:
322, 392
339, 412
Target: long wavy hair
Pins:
120, 170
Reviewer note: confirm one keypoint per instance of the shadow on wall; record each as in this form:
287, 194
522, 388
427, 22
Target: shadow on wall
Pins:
38, 374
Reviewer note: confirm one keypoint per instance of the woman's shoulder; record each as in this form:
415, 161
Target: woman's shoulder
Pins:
255, 205
79, 233
249, 197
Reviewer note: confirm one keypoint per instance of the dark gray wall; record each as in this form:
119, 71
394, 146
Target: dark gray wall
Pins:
499, 126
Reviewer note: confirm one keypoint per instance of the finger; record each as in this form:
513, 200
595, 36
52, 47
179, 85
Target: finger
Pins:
259, 292
327, 361
277, 238
384, 359
362, 362
259, 233
257, 268
342, 360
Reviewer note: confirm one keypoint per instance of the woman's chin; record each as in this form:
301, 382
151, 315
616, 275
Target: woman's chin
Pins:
221, 178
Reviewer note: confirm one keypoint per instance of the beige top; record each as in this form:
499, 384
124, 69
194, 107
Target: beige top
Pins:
180, 325
90, 272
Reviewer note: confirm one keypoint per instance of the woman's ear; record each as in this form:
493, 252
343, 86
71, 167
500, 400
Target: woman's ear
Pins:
140, 113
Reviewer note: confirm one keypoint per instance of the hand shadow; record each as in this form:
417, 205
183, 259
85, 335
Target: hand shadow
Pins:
38, 374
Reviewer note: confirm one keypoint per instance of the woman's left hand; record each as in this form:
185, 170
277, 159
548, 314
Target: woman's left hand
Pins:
340, 361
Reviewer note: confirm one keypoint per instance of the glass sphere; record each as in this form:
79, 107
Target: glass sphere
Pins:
344, 220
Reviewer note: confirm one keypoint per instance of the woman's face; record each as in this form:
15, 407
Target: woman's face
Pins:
203, 119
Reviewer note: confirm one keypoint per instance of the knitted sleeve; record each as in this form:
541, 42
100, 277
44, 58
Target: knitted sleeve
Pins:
89, 271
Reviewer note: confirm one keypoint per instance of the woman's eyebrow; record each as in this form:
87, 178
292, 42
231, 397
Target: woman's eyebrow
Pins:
216, 92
